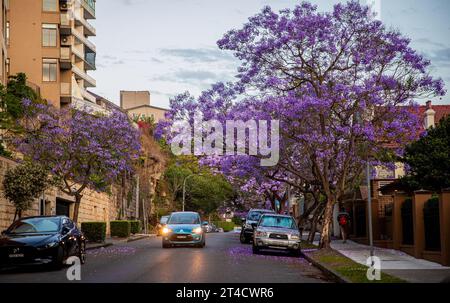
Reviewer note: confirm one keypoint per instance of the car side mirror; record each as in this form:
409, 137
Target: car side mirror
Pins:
254, 225
65, 230
243, 220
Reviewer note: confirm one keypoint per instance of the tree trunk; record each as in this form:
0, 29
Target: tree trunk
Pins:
325, 239
76, 209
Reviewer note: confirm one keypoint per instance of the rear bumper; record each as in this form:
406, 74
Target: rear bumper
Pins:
31, 256
277, 244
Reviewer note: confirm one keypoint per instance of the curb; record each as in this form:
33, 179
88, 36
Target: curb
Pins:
107, 244
329, 272
141, 237
101, 245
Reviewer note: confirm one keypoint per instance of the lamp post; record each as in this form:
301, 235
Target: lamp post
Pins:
184, 187
369, 205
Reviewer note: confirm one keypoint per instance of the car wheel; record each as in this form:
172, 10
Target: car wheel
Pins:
58, 259
82, 253
243, 238
255, 250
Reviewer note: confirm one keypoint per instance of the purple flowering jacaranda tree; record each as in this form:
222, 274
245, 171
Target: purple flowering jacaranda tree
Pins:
81, 149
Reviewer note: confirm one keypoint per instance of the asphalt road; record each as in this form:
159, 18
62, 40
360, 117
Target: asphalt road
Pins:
223, 260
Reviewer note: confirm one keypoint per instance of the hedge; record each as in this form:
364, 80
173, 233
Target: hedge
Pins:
227, 226
135, 226
94, 231
120, 229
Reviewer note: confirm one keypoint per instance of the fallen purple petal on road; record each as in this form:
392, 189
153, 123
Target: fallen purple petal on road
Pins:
122, 250
242, 252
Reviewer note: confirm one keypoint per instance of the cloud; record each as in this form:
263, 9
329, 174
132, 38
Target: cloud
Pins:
441, 56
197, 54
201, 78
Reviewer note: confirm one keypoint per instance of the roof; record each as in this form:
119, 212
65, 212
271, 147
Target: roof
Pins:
277, 215
147, 105
442, 111
262, 210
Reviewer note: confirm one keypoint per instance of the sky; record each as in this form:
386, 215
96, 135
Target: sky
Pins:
169, 46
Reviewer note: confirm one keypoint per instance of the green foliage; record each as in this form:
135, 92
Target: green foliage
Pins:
428, 159
94, 231
135, 226
205, 192
237, 220
11, 108
25, 183
121, 229
227, 226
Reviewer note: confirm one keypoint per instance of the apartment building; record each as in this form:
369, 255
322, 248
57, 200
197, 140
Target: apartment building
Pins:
48, 40
137, 103
3, 34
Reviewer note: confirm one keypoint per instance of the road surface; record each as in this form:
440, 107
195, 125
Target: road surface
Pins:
223, 260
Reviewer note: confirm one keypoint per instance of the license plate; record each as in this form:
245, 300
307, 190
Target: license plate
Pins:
16, 255
182, 237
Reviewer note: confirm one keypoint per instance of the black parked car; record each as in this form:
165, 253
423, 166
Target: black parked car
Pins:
249, 223
49, 240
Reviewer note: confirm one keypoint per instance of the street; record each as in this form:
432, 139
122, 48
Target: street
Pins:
223, 260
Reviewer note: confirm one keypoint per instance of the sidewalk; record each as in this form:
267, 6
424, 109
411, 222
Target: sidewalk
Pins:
115, 241
395, 263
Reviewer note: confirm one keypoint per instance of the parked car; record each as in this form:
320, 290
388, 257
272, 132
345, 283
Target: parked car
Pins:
161, 224
279, 232
183, 228
249, 223
50, 240
209, 227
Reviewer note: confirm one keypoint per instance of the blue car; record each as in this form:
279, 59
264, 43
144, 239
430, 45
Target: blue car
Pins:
183, 228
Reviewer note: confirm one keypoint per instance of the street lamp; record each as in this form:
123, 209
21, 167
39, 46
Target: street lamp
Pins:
184, 187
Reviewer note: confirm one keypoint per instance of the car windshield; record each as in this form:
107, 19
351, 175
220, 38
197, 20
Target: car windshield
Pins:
184, 218
164, 219
255, 215
274, 221
35, 225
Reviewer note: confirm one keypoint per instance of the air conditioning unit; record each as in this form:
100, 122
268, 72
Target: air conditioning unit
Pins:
65, 40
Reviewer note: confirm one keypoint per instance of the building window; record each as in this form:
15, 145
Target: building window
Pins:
49, 34
50, 5
49, 70
7, 32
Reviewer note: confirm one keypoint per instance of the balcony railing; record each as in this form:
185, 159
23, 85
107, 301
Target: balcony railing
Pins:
89, 81
89, 6
89, 28
84, 40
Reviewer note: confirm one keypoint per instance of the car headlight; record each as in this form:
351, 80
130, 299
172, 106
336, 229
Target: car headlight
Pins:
197, 230
295, 237
166, 230
260, 234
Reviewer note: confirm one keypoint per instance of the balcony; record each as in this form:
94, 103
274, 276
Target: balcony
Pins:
89, 8
80, 74
89, 59
65, 59
89, 30
80, 37
84, 105
87, 96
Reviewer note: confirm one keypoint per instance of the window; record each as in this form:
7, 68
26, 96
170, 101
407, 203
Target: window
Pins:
50, 5
7, 32
49, 34
49, 69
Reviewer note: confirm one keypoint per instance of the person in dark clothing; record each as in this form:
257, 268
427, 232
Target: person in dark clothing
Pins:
344, 223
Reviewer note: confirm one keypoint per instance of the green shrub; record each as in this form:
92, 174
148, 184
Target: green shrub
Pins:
94, 231
227, 226
135, 226
120, 229
237, 220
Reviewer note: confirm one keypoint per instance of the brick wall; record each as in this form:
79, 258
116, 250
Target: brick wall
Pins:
94, 206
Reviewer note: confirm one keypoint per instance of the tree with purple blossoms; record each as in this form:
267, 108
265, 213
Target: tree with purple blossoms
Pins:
81, 149
339, 82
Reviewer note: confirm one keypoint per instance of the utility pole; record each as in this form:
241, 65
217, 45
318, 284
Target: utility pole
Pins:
369, 205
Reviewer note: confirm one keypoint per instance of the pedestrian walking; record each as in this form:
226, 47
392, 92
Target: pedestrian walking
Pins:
344, 222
